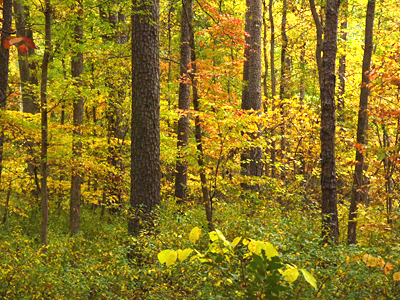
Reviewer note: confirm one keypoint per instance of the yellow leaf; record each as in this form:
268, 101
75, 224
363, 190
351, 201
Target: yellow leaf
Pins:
290, 274
194, 235
236, 241
213, 236
396, 276
388, 268
183, 254
257, 247
168, 257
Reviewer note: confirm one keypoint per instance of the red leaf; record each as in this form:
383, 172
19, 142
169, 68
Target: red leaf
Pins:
23, 48
11, 40
30, 43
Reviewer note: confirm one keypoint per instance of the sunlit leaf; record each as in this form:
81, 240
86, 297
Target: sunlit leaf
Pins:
291, 273
168, 257
194, 235
309, 278
183, 254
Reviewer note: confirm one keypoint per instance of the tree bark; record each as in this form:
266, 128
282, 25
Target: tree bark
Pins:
4, 68
273, 83
78, 106
145, 126
44, 123
342, 66
207, 201
283, 87
251, 98
318, 49
359, 190
330, 223
184, 101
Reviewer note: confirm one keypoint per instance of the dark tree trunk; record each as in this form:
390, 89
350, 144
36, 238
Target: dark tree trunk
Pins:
4, 68
207, 201
76, 179
28, 78
184, 100
145, 134
251, 98
283, 87
342, 66
330, 230
302, 76
273, 83
265, 79
318, 50
44, 124
359, 191
21, 12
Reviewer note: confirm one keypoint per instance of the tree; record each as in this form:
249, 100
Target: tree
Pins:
44, 123
359, 189
4, 67
330, 225
273, 81
76, 179
145, 127
184, 100
251, 97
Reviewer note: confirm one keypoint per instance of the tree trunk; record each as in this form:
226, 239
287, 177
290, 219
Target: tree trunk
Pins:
330, 223
207, 201
4, 68
342, 66
273, 83
318, 50
265, 79
44, 123
78, 106
359, 191
251, 98
184, 101
282, 88
145, 134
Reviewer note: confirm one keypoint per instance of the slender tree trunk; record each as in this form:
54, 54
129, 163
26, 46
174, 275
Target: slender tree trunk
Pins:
251, 98
318, 50
207, 201
283, 87
76, 179
330, 230
4, 68
145, 127
302, 76
265, 79
342, 66
44, 123
184, 101
359, 191
273, 83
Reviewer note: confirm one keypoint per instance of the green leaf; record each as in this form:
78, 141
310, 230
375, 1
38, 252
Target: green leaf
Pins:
168, 257
194, 235
183, 254
309, 278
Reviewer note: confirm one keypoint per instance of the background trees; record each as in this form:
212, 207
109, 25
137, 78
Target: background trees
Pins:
116, 122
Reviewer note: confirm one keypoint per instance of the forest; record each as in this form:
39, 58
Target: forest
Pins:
206, 149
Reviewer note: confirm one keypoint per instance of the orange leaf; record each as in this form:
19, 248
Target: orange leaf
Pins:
11, 40
23, 49
29, 42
